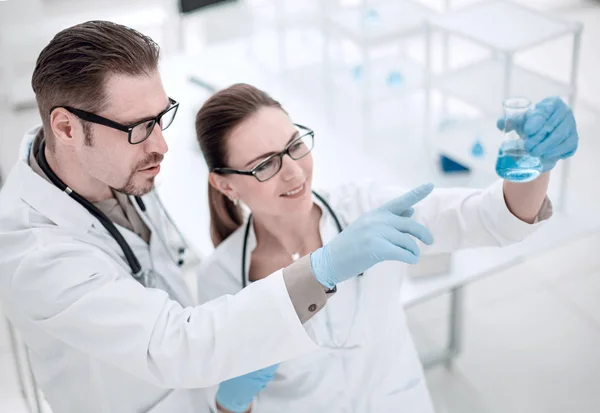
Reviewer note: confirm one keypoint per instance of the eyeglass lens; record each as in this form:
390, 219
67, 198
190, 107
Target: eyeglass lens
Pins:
298, 149
143, 130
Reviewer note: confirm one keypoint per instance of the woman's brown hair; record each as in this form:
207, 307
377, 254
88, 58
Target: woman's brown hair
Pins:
215, 121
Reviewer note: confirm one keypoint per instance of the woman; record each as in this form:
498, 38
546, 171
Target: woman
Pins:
367, 361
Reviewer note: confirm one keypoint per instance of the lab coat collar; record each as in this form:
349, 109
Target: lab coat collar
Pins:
251, 244
44, 197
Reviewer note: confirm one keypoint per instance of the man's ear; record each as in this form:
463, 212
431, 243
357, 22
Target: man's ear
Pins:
64, 125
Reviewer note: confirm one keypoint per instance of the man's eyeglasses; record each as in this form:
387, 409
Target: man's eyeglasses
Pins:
137, 132
269, 167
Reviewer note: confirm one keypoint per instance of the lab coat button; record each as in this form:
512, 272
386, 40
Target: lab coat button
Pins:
312, 308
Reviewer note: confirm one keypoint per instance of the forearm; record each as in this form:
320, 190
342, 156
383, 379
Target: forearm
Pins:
524, 200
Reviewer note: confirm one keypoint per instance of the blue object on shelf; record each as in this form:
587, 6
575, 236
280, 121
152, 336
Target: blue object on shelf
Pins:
450, 166
477, 150
395, 78
357, 72
372, 16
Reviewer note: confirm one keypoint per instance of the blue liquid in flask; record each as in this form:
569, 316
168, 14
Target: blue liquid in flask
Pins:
516, 164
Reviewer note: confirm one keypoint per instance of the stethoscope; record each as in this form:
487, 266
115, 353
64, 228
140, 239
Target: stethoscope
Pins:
146, 277
338, 224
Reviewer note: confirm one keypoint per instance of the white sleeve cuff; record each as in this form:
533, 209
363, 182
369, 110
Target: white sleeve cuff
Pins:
507, 226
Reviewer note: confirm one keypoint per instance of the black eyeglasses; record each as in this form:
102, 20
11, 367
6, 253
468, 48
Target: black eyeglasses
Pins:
137, 132
269, 167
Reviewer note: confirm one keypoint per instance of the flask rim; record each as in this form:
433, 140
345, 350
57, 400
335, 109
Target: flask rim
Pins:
516, 103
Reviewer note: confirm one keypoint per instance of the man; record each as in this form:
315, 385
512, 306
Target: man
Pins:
86, 272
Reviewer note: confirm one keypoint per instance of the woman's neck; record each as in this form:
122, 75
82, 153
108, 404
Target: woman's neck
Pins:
289, 235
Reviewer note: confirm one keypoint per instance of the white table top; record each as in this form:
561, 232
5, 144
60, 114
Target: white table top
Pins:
470, 265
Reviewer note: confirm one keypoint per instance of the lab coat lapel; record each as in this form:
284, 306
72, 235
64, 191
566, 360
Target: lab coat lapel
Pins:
161, 261
50, 201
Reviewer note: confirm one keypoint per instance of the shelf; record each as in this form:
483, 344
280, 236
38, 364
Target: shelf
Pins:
503, 25
456, 139
481, 85
382, 22
406, 77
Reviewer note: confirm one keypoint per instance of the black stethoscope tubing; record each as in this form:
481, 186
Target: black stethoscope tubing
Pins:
136, 269
338, 224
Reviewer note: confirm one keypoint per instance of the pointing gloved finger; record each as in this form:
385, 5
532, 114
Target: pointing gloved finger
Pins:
557, 136
405, 241
400, 204
408, 213
400, 254
411, 227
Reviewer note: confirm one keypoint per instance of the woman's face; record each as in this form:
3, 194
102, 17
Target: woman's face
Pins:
286, 194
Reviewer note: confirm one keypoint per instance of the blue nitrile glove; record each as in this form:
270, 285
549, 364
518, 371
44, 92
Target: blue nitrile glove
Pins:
549, 131
383, 234
236, 394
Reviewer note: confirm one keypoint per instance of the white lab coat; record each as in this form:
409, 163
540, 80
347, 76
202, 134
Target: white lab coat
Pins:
99, 340
378, 370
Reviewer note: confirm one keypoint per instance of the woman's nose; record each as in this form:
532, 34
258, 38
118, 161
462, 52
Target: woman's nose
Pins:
290, 169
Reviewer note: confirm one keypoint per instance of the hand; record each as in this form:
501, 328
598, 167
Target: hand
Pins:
550, 131
385, 233
236, 394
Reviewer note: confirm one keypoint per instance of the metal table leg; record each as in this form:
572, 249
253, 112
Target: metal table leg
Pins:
455, 329
455, 325
566, 164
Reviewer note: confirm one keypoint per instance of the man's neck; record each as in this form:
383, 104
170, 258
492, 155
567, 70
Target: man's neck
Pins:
290, 234
64, 166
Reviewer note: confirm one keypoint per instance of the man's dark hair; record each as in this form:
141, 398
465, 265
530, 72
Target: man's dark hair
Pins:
73, 68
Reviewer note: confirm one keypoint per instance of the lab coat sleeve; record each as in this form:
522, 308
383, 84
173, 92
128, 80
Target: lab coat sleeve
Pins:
76, 294
458, 218
306, 294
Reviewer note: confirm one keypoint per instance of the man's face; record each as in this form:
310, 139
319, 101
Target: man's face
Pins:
108, 157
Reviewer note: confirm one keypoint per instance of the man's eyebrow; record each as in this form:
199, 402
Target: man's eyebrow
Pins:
146, 117
266, 155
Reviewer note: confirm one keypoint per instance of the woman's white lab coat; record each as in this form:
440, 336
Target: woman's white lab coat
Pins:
99, 340
367, 361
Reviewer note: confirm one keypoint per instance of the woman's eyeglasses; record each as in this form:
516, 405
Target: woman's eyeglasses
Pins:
269, 167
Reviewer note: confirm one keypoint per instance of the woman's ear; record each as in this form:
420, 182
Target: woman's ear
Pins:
222, 184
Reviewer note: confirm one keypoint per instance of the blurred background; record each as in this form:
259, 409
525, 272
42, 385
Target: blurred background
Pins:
400, 92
